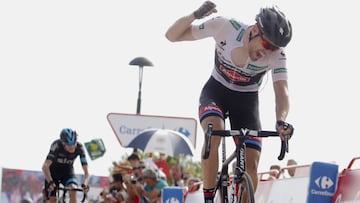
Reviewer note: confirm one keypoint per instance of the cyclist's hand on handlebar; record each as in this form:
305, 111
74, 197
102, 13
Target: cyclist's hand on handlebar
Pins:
51, 186
85, 188
205, 9
284, 129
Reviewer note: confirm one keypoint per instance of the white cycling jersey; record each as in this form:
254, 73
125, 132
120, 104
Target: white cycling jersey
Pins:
228, 35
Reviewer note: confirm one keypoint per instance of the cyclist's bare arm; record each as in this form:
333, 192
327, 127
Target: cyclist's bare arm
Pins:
85, 184
181, 29
281, 99
282, 104
86, 174
46, 170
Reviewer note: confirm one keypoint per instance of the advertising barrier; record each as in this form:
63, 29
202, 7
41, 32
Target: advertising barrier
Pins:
18, 185
348, 189
173, 195
323, 182
127, 126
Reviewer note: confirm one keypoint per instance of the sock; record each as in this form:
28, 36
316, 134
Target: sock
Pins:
209, 195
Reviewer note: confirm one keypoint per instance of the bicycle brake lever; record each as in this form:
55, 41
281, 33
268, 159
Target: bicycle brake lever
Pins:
284, 148
84, 197
287, 143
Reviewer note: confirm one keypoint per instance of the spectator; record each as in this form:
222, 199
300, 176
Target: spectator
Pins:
134, 159
177, 174
193, 184
116, 192
162, 165
291, 163
274, 172
152, 186
122, 187
137, 165
186, 177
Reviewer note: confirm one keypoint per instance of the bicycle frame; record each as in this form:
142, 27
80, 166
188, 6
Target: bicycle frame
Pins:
239, 155
65, 189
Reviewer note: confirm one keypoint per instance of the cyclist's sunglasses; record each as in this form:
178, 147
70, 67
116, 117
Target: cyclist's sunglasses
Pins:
69, 145
266, 44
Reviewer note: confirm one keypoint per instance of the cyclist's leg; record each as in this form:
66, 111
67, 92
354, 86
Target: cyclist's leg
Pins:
244, 112
73, 183
211, 111
49, 197
252, 162
210, 166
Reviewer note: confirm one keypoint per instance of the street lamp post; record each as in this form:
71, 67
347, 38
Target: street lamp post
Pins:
141, 62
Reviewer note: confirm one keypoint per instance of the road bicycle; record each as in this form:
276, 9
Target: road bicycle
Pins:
61, 192
241, 183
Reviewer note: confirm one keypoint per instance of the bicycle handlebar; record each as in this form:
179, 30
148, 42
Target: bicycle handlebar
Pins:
73, 189
245, 134
66, 188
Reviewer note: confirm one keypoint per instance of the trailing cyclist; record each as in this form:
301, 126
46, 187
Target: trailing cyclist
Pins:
58, 165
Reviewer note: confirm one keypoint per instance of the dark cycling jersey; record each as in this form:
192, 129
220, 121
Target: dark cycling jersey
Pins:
62, 161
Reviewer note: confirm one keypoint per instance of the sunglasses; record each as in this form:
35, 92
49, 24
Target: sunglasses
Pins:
138, 167
69, 145
266, 44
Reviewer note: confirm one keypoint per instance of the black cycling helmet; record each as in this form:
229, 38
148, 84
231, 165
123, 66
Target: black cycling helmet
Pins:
274, 25
68, 136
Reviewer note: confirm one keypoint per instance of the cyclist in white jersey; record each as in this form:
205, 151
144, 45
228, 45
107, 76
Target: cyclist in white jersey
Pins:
243, 55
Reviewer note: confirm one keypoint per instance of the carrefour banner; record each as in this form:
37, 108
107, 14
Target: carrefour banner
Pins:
323, 182
18, 185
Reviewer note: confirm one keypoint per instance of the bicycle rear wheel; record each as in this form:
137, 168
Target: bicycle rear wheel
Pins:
246, 190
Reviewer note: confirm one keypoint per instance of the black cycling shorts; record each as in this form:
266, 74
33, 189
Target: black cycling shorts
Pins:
242, 108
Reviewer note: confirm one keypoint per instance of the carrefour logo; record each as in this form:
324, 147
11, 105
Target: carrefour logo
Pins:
172, 200
323, 183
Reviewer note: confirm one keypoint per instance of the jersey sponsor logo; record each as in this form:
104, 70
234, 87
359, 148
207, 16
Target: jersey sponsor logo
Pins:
210, 108
280, 70
65, 161
233, 75
202, 26
240, 35
235, 24
255, 68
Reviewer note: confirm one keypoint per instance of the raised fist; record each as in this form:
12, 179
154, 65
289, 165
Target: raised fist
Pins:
205, 10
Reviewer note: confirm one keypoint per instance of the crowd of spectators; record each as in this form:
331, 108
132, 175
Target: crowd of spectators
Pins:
276, 171
140, 180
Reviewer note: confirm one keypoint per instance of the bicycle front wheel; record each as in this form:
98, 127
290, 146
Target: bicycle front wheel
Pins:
245, 190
